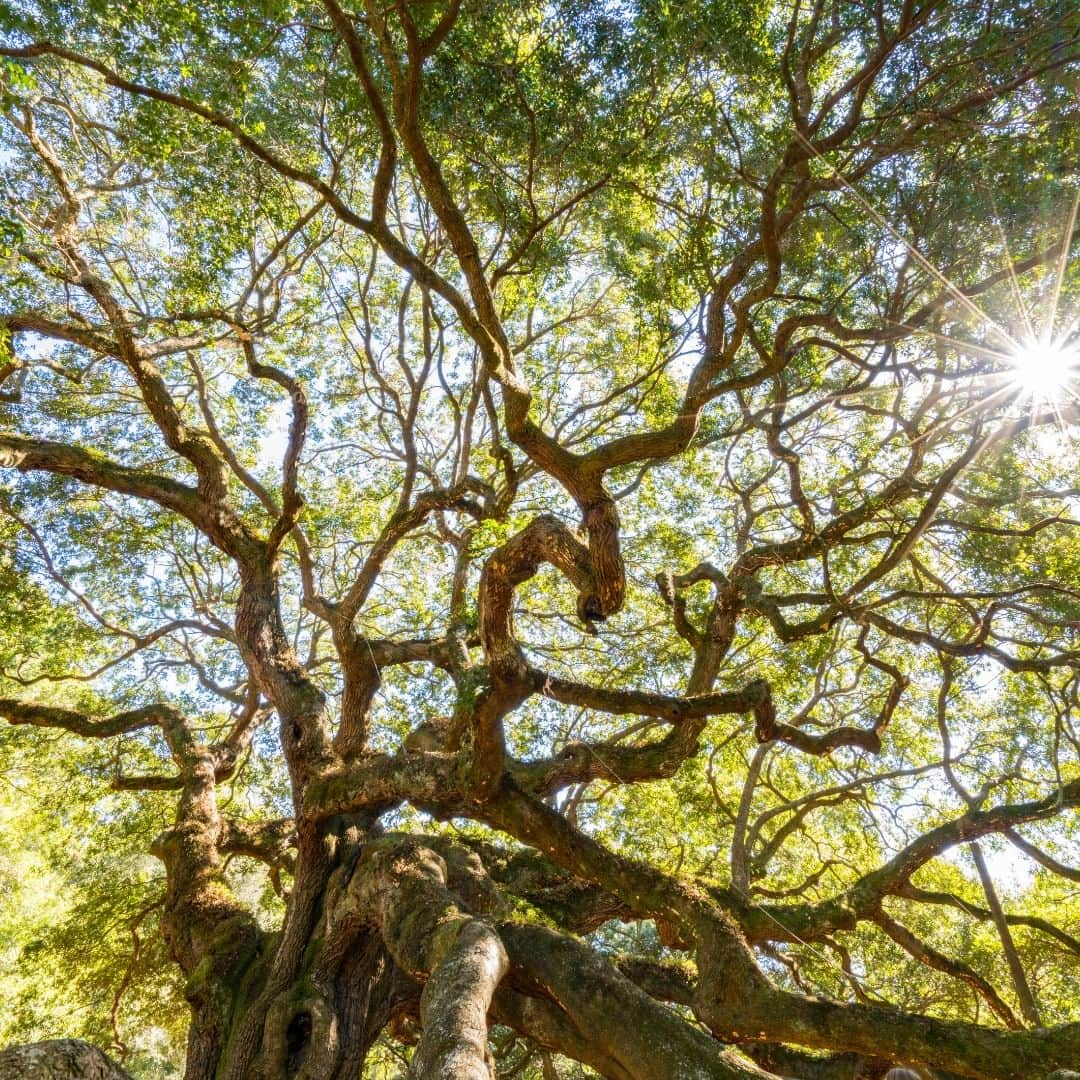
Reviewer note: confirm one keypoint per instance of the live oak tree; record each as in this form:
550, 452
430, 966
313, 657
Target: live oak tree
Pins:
555, 485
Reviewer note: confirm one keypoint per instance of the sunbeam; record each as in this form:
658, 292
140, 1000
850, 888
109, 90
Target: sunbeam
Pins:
1046, 371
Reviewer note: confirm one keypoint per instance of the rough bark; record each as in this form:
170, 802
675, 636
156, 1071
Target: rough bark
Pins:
58, 1059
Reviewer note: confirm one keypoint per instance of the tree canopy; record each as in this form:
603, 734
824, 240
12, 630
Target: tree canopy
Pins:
540, 539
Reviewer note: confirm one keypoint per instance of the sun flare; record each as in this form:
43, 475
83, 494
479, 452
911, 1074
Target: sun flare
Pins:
1046, 371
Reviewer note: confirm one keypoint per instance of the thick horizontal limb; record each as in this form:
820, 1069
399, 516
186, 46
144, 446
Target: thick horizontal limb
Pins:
669, 708
21, 712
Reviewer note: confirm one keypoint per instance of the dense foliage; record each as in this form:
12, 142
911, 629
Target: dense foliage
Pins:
529, 541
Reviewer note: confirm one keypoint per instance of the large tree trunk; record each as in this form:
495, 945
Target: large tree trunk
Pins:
306, 1002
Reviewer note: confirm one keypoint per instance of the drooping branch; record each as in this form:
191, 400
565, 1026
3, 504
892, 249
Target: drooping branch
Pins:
1040, 856
935, 896
864, 897
933, 958
412, 894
